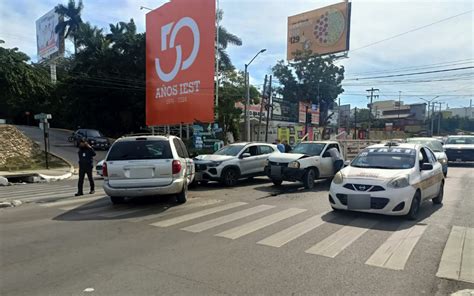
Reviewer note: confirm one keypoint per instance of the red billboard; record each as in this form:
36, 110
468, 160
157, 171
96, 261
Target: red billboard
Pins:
180, 62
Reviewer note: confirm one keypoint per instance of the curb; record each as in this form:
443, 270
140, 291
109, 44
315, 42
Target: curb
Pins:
61, 177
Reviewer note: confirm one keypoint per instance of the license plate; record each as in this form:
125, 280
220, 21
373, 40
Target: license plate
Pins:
275, 171
358, 201
141, 173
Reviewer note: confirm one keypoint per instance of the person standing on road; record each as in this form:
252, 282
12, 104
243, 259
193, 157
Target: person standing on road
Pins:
336, 159
287, 147
86, 163
280, 146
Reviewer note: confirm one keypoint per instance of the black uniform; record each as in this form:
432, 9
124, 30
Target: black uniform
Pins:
86, 163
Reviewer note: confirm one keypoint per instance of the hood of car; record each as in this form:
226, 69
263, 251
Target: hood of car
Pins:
440, 155
285, 157
459, 146
351, 172
213, 157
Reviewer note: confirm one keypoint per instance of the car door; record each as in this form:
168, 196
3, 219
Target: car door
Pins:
264, 151
436, 176
426, 185
249, 163
326, 165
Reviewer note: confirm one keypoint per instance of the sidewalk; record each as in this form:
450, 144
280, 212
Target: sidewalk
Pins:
55, 174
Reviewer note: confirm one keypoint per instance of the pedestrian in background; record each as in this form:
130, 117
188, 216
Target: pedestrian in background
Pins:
280, 146
86, 163
336, 158
287, 146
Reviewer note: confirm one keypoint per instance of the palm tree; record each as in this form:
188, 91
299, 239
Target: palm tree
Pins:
71, 21
225, 38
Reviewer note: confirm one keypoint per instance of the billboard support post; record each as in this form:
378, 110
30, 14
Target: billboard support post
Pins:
264, 93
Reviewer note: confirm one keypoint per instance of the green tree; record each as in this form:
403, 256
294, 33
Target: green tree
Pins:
70, 21
225, 39
312, 78
231, 91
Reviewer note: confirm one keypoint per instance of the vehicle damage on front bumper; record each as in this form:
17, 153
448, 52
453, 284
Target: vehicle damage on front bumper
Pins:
371, 198
283, 172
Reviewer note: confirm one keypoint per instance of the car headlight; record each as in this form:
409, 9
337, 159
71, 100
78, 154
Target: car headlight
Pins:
338, 178
294, 165
399, 182
443, 160
215, 164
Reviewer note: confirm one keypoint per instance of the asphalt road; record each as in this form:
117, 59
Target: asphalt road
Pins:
58, 143
252, 239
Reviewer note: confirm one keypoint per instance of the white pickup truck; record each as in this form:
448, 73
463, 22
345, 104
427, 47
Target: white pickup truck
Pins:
307, 162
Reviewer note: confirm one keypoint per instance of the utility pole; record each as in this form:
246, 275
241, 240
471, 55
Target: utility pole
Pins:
338, 114
399, 103
264, 98
432, 118
247, 100
371, 97
269, 108
355, 124
439, 117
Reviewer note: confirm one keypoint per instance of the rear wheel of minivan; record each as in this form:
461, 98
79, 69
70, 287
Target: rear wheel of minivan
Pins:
182, 196
117, 199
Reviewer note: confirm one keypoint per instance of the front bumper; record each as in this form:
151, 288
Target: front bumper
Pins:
104, 146
460, 154
205, 172
174, 188
284, 173
390, 201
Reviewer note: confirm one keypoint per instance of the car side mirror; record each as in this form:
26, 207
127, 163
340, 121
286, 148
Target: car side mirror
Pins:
426, 167
245, 155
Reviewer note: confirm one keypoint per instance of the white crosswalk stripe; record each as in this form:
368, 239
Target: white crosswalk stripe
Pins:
337, 242
285, 236
457, 261
253, 226
226, 219
192, 216
395, 251
44, 189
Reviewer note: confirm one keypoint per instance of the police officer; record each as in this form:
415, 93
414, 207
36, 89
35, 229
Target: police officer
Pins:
86, 163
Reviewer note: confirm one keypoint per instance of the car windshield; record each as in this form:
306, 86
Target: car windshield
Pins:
460, 140
385, 158
231, 150
129, 150
93, 133
311, 149
434, 145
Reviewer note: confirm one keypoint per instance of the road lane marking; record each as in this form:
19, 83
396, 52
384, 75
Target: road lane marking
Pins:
226, 219
286, 235
395, 251
18, 191
195, 215
337, 242
39, 193
253, 226
71, 201
457, 261
58, 195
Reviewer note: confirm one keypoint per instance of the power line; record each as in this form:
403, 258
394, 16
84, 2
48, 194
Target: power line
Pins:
416, 73
412, 30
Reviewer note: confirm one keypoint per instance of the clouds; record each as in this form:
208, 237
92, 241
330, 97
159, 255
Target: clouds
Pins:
263, 24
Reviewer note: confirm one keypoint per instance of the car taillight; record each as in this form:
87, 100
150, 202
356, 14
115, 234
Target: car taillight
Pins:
176, 166
105, 173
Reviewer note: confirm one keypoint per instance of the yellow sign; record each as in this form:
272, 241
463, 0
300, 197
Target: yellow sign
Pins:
322, 31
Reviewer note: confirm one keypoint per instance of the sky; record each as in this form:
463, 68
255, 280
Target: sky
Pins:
422, 41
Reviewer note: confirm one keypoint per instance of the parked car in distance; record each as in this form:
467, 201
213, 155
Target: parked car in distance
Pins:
233, 162
308, 161
147, 166
390, 180
437, 148
460, 148
95, 138
99, 166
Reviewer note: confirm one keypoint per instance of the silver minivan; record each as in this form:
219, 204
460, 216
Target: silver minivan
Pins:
147, 166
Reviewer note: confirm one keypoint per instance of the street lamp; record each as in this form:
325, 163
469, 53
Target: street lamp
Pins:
247, 101
429, 104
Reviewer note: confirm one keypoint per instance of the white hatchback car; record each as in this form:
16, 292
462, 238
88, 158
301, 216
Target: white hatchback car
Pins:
389, 179
147, 166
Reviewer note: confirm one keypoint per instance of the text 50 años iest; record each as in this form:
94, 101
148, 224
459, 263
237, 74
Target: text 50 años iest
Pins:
169, 92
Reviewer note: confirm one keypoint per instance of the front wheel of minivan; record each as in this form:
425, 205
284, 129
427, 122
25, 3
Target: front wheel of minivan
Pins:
117, 199
182, 196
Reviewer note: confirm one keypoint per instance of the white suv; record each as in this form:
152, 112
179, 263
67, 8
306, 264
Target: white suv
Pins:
233, 162
147, 166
